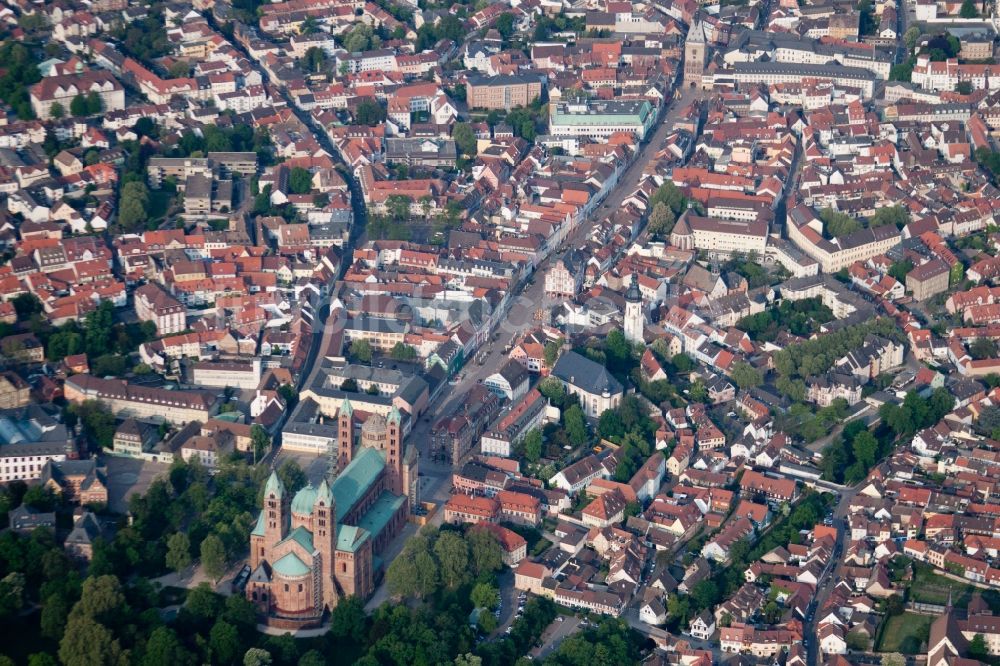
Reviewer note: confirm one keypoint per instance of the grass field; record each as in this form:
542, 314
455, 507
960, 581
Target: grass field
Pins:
932, 588
905, 633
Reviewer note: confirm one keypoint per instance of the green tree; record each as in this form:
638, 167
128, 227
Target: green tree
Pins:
661, 220
132, 204
315, 59
224, 642
94, 103
485, 554
369, 112
453, 558
977, 646
178, 551
982, 348
911, 36
698, 392
257, 657
300, 180
398, 206
88, 643
260, 441
969, 10
40, 498
316, 658
42, 659
893, 659
62, 344
576, 425
533, 445
213, 556
402, 352
25, 305
57, 111
551, 353
361, 38
903, 71
838, 224
361, 350
78, 106
745, 375
671, 195
505, 25
465, 139
484, 595
705, 593
679, 607
896, 215
202, 603
682, 362
163, 647
865, 448
55, 612
292, 476
102, 600
552, 389
12, 594
348, 619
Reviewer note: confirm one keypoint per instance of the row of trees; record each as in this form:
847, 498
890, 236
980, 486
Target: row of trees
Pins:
81, 105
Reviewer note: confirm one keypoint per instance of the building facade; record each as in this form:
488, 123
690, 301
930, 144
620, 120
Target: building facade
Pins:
502, 92
154, 304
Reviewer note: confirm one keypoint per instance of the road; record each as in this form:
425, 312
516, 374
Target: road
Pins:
825, 585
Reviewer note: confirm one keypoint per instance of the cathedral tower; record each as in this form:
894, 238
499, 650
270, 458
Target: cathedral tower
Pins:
346, 437
394, 452
325, 541
274, 505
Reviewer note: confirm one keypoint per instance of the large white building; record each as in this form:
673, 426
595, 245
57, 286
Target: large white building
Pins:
63, 89
718, 237
769, 73
599, 119
805, 230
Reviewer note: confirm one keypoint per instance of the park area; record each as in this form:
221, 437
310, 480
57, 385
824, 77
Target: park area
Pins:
904, 633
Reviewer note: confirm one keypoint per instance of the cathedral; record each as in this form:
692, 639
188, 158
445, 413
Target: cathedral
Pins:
308, 551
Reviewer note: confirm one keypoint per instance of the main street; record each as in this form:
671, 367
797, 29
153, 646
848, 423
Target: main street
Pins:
528, 299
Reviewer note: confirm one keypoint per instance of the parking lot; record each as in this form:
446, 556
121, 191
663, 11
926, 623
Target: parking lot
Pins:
128, 476
511, 603
553, 636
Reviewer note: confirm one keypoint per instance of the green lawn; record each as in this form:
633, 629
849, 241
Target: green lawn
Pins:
930, 587
905, 633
